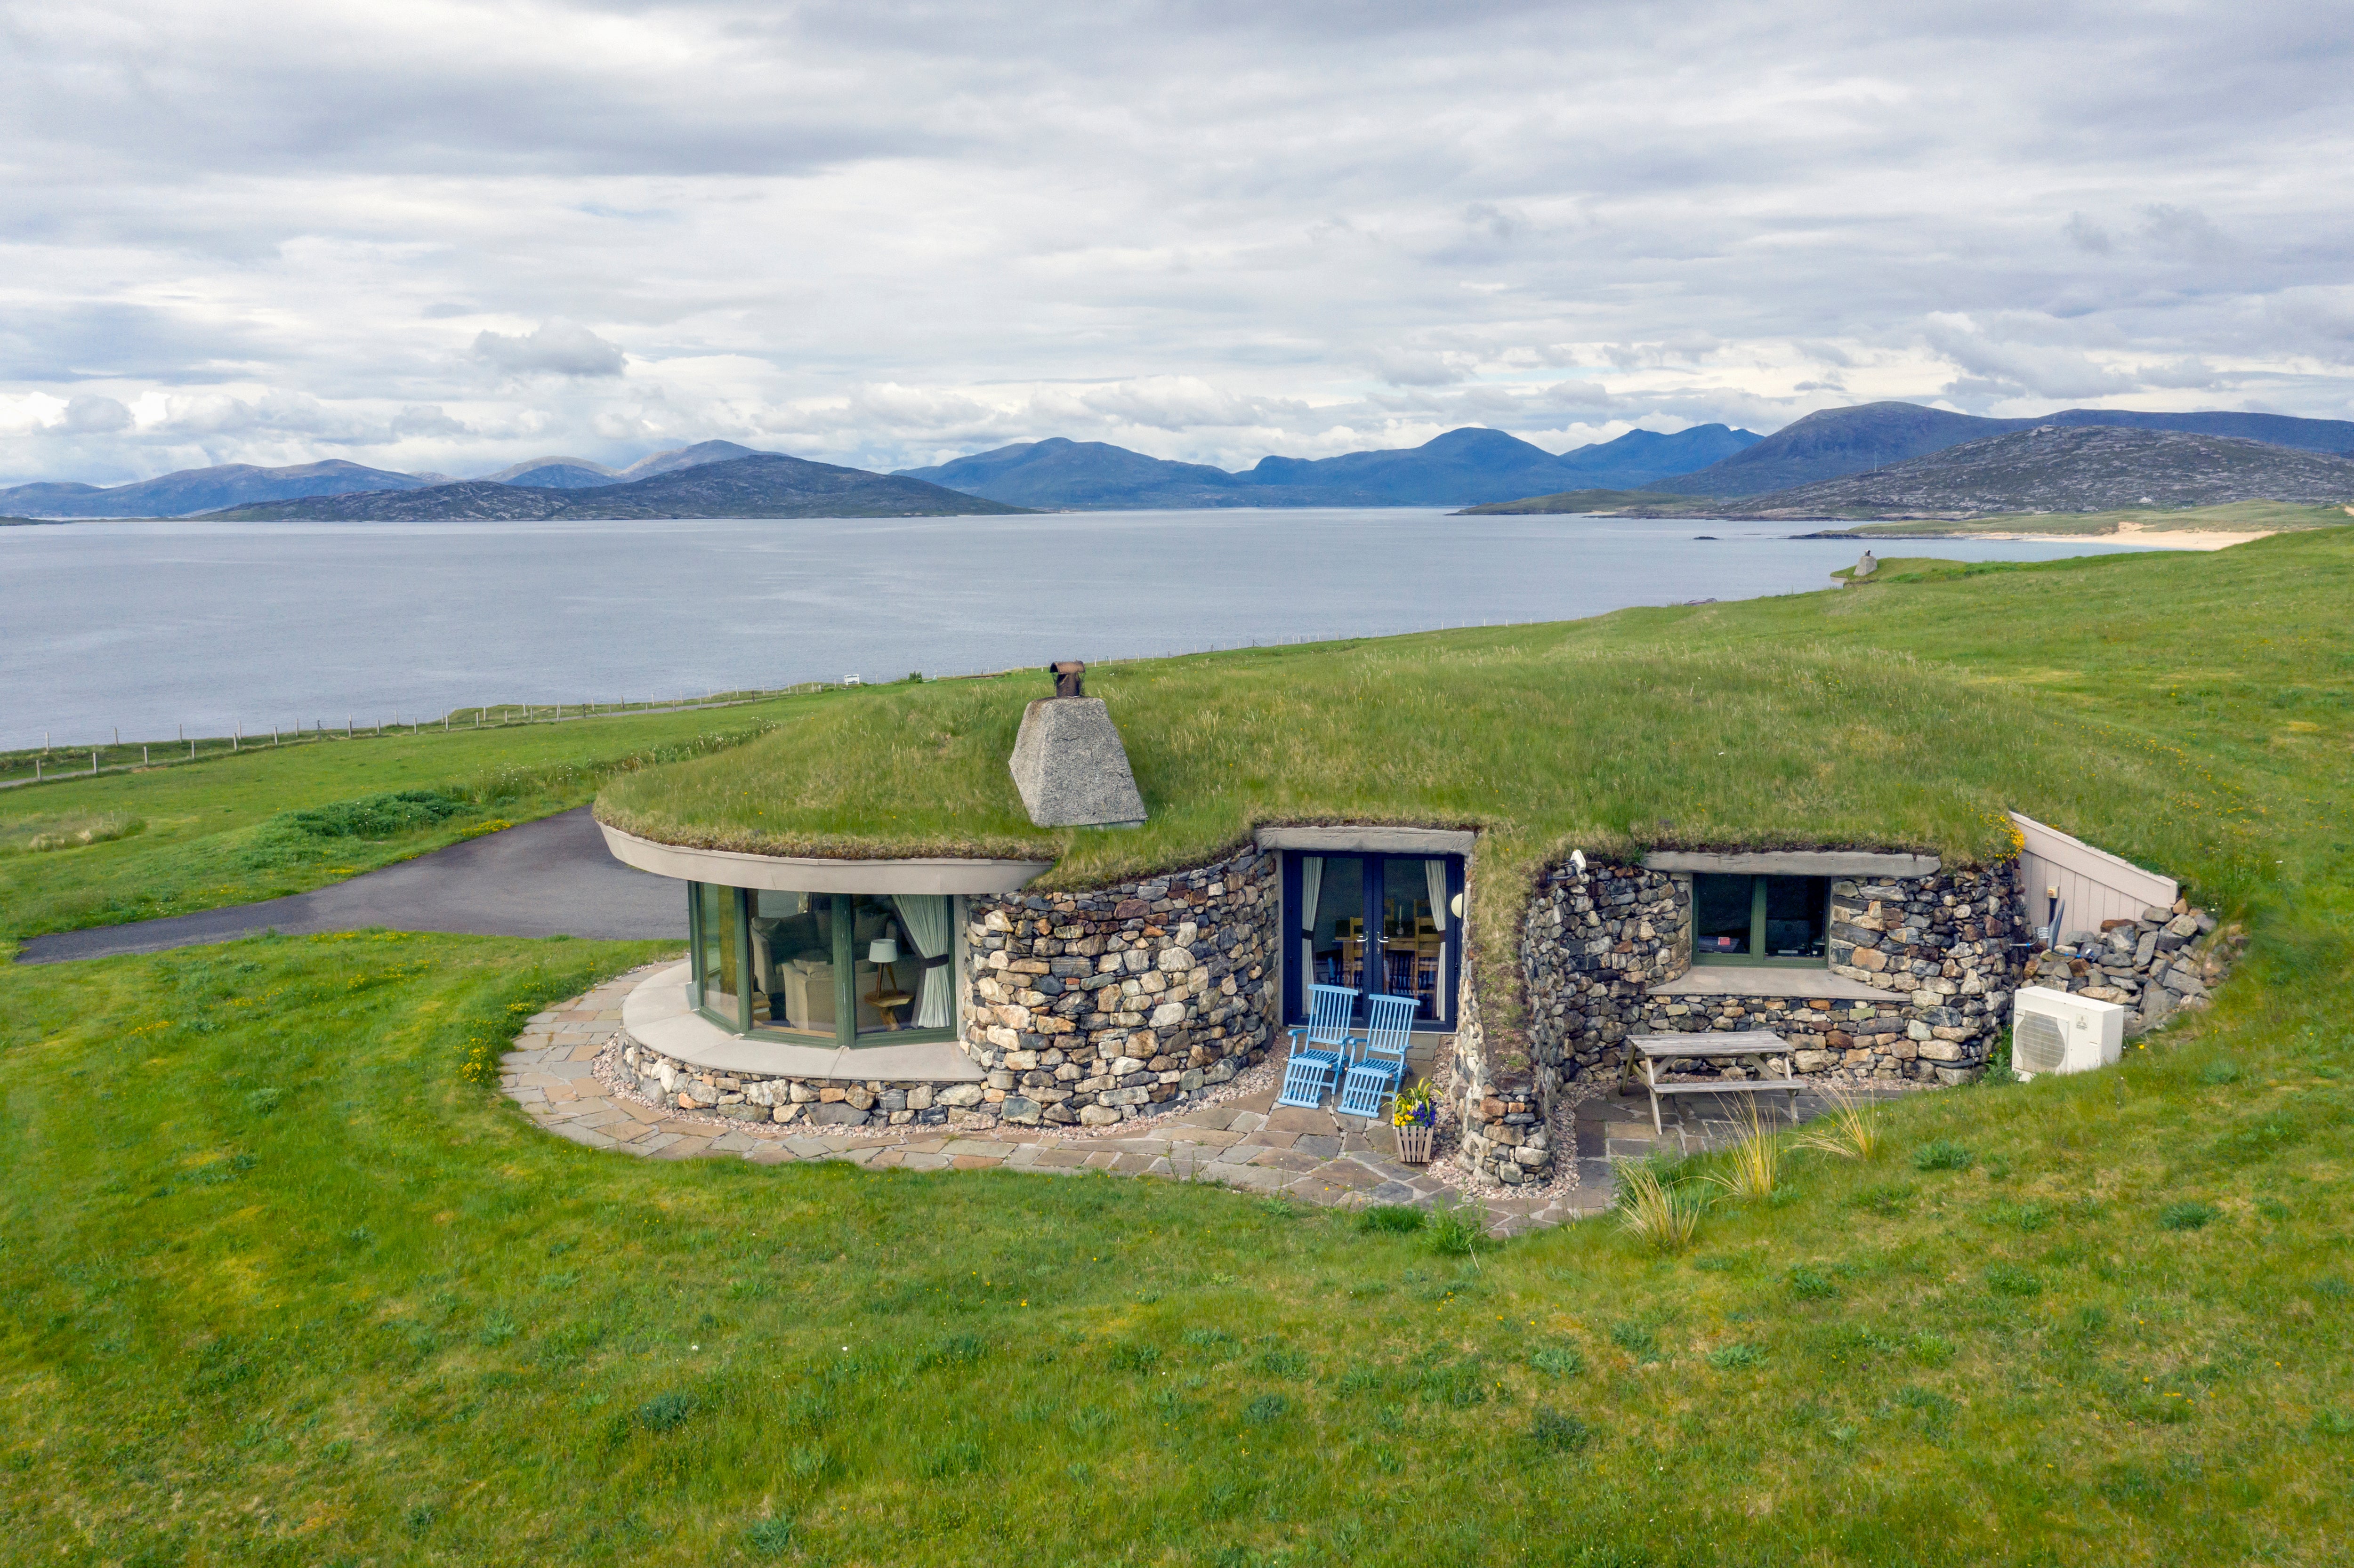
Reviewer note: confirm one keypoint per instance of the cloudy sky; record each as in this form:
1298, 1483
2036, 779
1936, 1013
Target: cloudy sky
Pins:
447, 237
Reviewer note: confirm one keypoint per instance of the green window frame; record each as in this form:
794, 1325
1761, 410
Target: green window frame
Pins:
735, 905
1756, 957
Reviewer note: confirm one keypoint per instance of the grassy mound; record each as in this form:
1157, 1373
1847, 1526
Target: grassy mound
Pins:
1893, 715
279, 1284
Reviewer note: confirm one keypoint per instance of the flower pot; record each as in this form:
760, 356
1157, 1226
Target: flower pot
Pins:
1414, 1144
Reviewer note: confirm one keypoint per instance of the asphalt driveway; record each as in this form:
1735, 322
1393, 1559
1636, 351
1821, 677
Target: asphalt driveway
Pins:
548, 878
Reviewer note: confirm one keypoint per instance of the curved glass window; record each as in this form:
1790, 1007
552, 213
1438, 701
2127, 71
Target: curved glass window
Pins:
848, 968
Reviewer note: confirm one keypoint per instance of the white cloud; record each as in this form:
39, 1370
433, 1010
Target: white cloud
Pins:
556, 348
426, 419
2088, 236
422, 235
91, 414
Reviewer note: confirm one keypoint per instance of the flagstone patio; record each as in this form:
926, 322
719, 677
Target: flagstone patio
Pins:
1249, 1142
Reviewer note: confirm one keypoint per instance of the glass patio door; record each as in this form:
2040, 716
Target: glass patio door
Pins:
1375, 924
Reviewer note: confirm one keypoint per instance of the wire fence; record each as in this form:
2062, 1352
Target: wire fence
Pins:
55, 763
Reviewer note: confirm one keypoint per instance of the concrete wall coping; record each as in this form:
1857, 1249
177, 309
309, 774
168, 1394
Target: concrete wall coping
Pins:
807, 873
1368, 840
658, 1016
1797, 862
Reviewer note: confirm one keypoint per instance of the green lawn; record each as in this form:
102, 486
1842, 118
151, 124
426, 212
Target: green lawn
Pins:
199, 835
277, 1285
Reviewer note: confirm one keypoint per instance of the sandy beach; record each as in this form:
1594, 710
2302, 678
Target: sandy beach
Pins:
2136, 534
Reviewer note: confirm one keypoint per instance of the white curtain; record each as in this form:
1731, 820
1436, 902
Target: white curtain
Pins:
1312, 883
1434, 874
926, 918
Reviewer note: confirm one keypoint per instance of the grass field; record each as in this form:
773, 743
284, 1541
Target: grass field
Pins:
164, 841
2234, 517
276, 1286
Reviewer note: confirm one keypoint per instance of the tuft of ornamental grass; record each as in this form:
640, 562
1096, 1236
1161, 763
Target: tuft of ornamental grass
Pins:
1943, 1154
1392, 1219
1663, 1215
1753, 1165
1457, 1232
1851, 1130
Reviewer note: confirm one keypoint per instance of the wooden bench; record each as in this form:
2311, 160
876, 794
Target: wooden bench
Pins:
1755, 1044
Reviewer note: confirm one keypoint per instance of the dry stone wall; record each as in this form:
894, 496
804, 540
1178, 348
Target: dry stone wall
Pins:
1598, 943
1086, 1008
818, 1103
2166, 960
1094, 1008
1501, 1107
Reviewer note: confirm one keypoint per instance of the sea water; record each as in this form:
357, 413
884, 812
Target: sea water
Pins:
147, 627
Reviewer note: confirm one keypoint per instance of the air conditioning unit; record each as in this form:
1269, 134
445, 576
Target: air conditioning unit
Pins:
2054, 1032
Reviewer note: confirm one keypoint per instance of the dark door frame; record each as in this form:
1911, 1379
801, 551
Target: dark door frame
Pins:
1372, 867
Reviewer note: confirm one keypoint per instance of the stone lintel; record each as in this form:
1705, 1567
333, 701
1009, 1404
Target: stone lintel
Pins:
1795, 862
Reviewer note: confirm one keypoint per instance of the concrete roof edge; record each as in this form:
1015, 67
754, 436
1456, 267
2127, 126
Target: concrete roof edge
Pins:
809, 874
1367, 839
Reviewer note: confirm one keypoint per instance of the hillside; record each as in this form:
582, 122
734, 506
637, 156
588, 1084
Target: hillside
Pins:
1059, 472
1463, 466
196, 490
2073, 468
555, 473
2233, 518
1641, 457
769, 485
1603, 503
1835, 442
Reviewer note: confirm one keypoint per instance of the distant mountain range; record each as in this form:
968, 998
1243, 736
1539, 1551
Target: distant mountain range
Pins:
205, 489
1464, 467
764, 484
1870, 435
2076, 467
1459, 468
199, 490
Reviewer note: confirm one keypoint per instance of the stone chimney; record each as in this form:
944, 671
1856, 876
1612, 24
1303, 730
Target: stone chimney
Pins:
1068, 761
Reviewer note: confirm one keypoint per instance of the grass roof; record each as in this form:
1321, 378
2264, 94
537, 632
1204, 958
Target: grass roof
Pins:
1906, 713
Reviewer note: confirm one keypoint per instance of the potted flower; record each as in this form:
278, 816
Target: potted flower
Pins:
1415, 1117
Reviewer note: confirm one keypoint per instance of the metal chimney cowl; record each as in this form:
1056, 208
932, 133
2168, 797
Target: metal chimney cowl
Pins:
1068, 762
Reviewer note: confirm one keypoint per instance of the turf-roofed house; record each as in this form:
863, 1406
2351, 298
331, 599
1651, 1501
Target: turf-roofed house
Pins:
1042, 969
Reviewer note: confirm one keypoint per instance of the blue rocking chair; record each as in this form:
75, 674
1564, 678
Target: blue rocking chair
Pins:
1320, 1050
1382, 1067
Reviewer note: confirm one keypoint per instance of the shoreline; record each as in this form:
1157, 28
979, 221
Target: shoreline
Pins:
2124, 534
